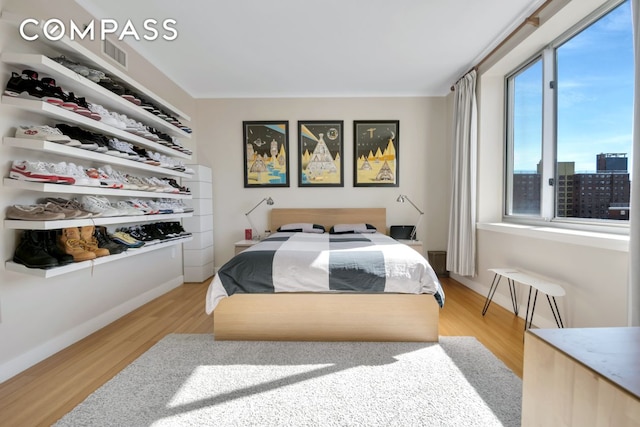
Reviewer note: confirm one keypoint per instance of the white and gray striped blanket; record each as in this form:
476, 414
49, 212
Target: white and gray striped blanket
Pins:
306, 262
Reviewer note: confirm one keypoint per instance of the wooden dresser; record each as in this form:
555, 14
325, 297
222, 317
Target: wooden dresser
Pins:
581, 377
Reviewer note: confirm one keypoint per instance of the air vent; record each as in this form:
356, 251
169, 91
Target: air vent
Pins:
115, 53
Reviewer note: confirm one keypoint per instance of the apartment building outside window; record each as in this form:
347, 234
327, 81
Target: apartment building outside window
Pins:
569, 124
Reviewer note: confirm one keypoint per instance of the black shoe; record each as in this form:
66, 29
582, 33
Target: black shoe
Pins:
25, 85
104, 241
31, 252
50, 238
53, 94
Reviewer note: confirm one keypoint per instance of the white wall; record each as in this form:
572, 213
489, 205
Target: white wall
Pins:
39, 317
424, 162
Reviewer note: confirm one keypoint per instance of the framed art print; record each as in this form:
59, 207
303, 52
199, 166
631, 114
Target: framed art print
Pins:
266, 154
376, 153
320, 152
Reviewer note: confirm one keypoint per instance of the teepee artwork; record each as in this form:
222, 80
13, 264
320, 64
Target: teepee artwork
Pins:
376, 161
319, 154
266, 148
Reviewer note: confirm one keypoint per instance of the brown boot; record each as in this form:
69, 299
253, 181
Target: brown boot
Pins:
90, 242
69, 241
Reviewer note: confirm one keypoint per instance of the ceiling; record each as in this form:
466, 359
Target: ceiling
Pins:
321, 48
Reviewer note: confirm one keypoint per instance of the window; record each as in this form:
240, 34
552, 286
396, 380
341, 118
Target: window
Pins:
569, 124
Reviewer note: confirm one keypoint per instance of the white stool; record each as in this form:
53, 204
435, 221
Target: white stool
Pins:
551, 290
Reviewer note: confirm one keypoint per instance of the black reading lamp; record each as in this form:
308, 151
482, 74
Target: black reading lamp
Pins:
402, 198
269, 201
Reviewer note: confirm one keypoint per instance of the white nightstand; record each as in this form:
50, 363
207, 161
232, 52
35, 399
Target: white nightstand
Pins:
415, 244
244, 244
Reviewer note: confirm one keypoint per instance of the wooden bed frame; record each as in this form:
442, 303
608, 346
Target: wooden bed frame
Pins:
326, 316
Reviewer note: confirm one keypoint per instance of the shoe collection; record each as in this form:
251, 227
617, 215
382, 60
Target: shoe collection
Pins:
105, 177
90, 206
74, 136
150, 234
28, 85
118, 88
53, 248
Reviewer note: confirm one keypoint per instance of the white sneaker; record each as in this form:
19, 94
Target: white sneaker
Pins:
79, 175
62, 172
25, 170
127, 208
105, 116
118, 177
42, 133
91, 174
143, 206
99, 205
108, 181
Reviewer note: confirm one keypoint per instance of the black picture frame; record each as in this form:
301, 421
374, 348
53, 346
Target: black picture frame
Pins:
376, 148
266, 153
320, 153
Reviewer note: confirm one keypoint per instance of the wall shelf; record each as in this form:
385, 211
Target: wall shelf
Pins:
58, 113
45, 187
74, 50
57, 271
16, 224
93, 92
94, 157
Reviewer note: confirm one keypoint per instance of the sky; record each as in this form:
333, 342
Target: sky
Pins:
594, 97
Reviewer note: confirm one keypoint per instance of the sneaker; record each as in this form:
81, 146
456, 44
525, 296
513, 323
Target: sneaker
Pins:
79, 135
142, 206
161, 206
108, 181
43, 133
95, 75
53, 94
74, 66
126, 239
127, 208
105, 116
118, 177
31, 252
71, 103
62, 171
25, 170
33, 213
99, 205
112, 86
25, 85
71, 208
79, 175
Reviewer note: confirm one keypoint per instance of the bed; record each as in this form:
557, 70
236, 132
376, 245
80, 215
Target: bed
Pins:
404, 308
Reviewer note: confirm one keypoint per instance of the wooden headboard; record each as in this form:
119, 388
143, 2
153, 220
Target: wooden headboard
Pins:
330, 216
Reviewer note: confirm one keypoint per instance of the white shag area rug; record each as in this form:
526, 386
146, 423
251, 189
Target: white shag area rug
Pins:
193, 380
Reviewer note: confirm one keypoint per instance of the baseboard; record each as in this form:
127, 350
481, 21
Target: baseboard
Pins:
49, 348
505, 300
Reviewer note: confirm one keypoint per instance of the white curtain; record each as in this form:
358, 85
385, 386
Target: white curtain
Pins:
634, 220
461, 247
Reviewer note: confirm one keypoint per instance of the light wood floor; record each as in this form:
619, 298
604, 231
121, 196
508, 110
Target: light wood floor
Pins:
44, 393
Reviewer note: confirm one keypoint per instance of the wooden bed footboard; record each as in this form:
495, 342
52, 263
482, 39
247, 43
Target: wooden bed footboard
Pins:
327, 317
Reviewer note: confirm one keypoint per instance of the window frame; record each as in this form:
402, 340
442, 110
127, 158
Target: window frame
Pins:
548, 203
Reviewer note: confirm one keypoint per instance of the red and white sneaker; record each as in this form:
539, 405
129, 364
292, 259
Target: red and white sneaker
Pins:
43, 133
25, 170
63, 172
